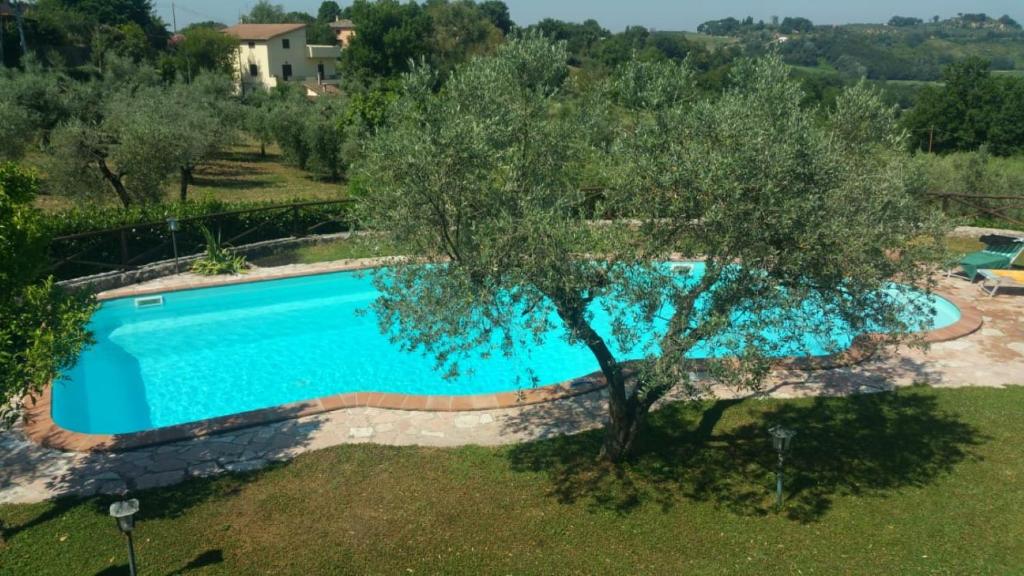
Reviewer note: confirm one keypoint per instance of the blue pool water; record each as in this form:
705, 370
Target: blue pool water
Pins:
225, 350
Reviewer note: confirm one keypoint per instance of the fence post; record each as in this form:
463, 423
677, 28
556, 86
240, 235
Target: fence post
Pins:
124, 249
945, 205
296, 228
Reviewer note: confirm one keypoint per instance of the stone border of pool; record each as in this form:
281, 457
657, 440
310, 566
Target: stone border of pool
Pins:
41, 428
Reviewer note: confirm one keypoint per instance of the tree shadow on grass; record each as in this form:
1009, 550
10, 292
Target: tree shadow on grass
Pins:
865, 445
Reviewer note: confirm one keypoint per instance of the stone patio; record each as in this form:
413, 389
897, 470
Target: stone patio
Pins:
993, 356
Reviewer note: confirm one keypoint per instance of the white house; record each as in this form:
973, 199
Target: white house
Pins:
269, 54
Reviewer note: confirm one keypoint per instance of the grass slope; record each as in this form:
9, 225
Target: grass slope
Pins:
239, 174
914, 482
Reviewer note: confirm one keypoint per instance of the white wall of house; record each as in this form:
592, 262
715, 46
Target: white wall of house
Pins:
271, 57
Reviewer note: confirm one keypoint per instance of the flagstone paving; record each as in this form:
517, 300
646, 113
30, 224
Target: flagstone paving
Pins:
993, 356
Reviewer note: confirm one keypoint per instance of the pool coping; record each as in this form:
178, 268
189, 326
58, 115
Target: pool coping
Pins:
41, 428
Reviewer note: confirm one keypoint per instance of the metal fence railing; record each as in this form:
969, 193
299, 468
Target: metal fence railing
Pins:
131, 246
1000, 209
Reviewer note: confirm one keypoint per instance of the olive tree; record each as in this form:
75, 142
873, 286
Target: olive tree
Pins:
139, 140
802, 224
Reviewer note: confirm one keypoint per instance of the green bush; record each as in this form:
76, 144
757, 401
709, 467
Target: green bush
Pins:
141, 232
218, 259
42, 328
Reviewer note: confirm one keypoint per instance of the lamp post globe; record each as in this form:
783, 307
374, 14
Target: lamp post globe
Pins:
123, 513
173, 225
782, 439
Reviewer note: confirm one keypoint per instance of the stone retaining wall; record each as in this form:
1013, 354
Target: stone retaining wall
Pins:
118, 279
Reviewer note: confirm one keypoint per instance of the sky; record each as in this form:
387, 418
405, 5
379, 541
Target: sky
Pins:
657, 14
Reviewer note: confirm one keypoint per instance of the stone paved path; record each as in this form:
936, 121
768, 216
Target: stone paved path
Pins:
994, 356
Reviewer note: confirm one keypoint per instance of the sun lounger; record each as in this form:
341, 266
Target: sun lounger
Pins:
999, 254
996, 279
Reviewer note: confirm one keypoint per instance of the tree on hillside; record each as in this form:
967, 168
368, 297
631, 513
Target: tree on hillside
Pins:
579, 38
42, 327
203, 24
790, 25
40, 97
724, 27
970, 109
264, 12
124, 40
904, 21
197, 50
391, 35
87, 15
497, 12
1005, 20
16, 130
460, 31
329, 11
484, 181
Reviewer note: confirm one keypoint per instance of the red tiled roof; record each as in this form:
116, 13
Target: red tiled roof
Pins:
261, 31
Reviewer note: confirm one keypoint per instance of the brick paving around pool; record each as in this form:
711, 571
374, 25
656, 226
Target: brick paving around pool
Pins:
29, 472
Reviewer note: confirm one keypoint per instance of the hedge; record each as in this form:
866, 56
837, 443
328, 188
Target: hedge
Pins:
147, 238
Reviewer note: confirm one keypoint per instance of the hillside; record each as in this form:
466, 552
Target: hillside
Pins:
904, 49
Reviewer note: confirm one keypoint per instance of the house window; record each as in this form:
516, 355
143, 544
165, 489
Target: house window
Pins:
286, 43
254, 70
251, 44
286, 71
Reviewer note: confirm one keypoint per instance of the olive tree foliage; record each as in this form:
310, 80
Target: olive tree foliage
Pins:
42, 328
140, 138
802, 224
315, 136
32, 101
15, 130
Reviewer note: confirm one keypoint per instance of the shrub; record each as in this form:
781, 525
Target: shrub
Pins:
218, 259
146, 237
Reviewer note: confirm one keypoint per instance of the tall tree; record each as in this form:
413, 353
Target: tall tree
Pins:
328, 12
970, 109
201, 49
265, 12
460, 30
42, 327
391, 35
497, 12
784, 207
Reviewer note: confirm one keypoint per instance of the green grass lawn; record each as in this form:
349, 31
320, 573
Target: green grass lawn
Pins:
354, 247
958, 245
919, 481
240, 174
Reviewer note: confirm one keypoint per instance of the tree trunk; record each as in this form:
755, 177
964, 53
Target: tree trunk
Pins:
625, 411
624, 419
115, 183
263, 149
186, 178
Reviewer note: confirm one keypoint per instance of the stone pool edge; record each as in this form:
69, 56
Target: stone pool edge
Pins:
41, 428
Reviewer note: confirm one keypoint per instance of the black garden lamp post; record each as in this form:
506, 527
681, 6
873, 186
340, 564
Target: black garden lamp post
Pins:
174, 226
781, 440
124, 512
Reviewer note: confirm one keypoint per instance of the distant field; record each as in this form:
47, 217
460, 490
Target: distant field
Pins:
238, 175
710, 42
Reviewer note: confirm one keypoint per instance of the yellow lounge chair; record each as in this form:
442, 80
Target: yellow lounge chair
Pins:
1000, 279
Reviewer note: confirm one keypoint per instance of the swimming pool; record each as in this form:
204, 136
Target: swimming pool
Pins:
193, 355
